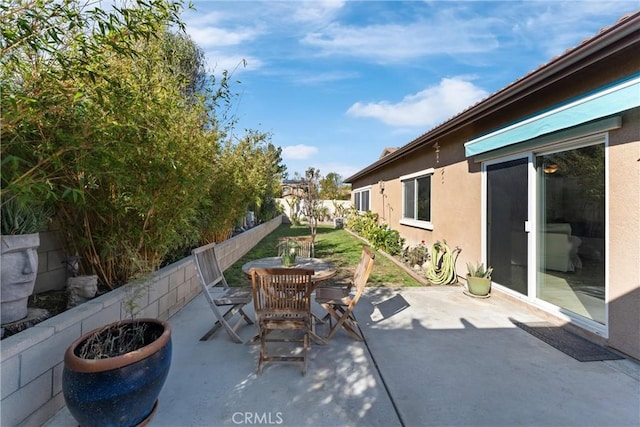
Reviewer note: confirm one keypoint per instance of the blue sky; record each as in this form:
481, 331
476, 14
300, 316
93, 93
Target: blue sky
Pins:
335, 82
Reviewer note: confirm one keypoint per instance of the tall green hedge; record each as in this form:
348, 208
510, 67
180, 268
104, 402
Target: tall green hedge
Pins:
110, 117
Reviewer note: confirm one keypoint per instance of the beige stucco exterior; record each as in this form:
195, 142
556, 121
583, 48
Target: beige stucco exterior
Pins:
457, 181
455, 211
624, 236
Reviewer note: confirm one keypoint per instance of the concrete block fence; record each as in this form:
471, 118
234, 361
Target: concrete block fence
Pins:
52, 272
31, 362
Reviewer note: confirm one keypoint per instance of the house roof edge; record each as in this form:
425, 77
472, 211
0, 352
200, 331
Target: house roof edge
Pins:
625, 26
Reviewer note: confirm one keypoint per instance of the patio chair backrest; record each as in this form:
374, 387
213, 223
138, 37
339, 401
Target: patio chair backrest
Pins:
362, 272
225, 301
208, 266
281, 292
303, 245
282, 302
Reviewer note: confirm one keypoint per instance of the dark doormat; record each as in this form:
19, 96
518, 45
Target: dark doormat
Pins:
571, 344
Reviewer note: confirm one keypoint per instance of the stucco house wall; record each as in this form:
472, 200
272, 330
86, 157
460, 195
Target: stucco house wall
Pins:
454, 191
457, 182
624, 235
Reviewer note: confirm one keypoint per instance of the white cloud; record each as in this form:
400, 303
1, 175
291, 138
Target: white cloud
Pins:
213, 36
426, 108
317, 10
218, 61
320, 78
220, 37
564, 24
393, 43
341, 169
298, 152
236, 27
219, 29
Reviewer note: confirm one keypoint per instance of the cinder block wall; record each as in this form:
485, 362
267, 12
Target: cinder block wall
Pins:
52, 273
31, 362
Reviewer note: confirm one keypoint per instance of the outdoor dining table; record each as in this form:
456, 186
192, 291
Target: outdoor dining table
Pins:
323, 270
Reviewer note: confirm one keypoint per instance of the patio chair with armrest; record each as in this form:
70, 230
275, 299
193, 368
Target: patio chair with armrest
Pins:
339, 301
220, 295
282, 302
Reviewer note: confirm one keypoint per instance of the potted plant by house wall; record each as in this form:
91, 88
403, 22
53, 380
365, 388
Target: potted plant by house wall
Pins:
22, 221
479, 279
112, 376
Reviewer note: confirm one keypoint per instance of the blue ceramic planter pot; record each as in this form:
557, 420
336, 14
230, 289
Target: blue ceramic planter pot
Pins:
117, 391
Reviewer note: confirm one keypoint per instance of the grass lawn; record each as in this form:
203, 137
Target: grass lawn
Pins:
334, 245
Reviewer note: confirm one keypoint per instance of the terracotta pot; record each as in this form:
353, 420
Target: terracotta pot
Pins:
18, 270
117, 391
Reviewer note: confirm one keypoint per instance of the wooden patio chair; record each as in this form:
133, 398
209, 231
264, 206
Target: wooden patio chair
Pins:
340, 302
303, 245
282, 302
225, 301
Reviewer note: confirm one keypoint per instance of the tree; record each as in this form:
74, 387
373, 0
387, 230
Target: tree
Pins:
311, 198
245, 174
187, 62
330, 186
49, 51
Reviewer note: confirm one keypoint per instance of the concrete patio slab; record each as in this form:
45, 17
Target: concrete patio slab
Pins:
449, 359
432, 356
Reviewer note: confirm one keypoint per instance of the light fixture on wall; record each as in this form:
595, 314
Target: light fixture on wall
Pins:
381, 186
436, 146
550, 168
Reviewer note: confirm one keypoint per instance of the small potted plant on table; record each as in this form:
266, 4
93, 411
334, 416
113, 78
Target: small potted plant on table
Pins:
479, 279
288, 249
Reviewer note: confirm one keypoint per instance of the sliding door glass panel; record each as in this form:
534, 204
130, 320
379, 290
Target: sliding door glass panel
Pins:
571, 240
507, 203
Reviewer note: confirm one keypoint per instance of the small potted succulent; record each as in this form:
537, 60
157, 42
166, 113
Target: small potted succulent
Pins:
479, 279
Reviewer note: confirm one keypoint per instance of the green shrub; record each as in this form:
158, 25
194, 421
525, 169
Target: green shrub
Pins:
380, 236
393, 243
383, 237
415, 255
361, 223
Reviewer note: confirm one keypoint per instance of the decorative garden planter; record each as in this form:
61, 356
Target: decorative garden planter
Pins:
117, 391
81, 289
478, 286
19, 267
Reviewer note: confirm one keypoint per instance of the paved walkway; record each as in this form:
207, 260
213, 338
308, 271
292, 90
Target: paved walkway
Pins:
433, 357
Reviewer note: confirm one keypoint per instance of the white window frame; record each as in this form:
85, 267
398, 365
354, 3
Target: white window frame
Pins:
413, 222
359, 191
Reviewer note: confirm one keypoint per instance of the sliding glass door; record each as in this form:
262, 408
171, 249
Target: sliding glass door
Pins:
570, 270
506, 216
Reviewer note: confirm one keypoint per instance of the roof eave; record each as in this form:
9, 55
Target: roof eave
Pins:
587, 53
